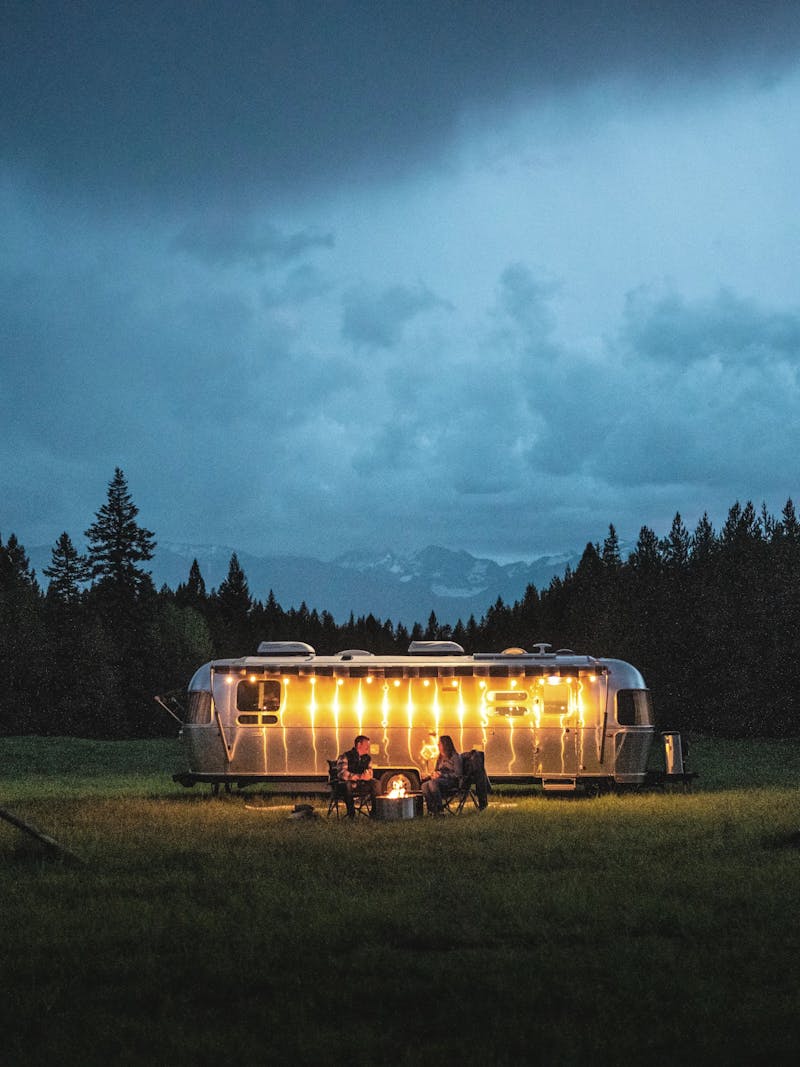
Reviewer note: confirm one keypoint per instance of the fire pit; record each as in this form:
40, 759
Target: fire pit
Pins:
398, 802
388, 807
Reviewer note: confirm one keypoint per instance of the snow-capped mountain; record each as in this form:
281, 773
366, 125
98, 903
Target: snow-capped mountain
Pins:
403, 588
457, 575
389, 585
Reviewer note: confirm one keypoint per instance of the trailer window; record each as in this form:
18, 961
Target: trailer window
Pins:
634, 707
199, 707
261, 694
507, 701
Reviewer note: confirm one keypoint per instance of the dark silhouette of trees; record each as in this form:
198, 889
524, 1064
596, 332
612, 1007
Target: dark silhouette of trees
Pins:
192, 592
231, 606
711, 619
22, 635
118, 545
81, 649
123, 600
68, 571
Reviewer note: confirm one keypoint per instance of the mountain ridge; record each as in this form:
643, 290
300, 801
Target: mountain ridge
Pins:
404, 588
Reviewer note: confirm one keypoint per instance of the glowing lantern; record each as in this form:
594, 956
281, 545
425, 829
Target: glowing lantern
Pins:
430, 750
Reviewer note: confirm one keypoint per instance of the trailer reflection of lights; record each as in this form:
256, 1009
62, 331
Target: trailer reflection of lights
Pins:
435, 708
360, 709
461, 712
429, 752
385, 720
483, 712
312, 714
283, 728
336, 688
530, 713
410, 717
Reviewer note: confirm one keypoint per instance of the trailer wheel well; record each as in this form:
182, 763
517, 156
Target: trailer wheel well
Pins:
409, 775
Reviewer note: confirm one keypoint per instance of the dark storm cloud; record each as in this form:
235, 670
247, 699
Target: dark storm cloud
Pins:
83, 359
118, 101
377, 319
328, 275
539, 430
524, 318
690, 392
670, 330
300, 285
230, 239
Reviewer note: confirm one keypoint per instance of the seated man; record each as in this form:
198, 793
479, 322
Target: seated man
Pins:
353, 768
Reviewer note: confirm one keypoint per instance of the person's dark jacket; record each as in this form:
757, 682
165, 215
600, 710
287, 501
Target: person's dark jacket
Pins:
350, 763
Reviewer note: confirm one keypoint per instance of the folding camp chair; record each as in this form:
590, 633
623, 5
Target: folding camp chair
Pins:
362, 797
473, 785
336, 788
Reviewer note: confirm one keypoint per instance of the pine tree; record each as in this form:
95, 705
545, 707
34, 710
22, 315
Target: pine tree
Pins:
676, 546
704, 542
784, 620
192, 592
22, 638
767, 521
233, 595
589, 568
15, 567
646, 557
274, 618
387, 638
788, 528
742, 529
117, 544
526, 617
329, 632
610, 556
124, 595
233, 607
68, 570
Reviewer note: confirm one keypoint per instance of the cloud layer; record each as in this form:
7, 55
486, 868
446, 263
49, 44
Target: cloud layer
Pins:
336, 275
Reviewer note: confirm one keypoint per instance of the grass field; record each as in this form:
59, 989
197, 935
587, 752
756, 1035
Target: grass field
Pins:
658, 928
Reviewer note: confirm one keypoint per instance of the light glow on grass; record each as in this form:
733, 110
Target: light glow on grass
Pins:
197, 927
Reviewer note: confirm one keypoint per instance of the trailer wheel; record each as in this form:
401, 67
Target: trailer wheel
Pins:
410, 780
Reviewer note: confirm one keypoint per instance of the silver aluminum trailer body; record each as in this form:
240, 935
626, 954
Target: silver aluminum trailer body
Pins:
556, 719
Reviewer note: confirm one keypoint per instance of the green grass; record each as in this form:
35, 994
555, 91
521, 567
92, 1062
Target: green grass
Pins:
654, 928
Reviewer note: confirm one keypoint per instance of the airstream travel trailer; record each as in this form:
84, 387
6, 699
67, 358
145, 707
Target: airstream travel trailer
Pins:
557, 719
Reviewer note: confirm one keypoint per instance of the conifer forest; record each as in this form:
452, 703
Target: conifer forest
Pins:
710, 617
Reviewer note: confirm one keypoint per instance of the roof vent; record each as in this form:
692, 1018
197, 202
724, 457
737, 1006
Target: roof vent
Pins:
354, 653
285, 648
541, 649
435, 648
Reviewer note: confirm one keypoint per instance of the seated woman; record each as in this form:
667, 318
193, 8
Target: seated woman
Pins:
445, 776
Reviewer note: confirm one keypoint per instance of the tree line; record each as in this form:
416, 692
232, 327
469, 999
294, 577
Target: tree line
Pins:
711, 618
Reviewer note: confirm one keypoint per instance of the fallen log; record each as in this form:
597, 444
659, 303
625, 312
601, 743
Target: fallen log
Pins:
44, 839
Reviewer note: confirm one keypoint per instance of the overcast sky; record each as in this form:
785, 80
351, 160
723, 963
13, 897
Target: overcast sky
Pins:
332, 275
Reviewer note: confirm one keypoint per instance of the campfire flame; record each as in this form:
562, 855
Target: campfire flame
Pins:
397, 788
